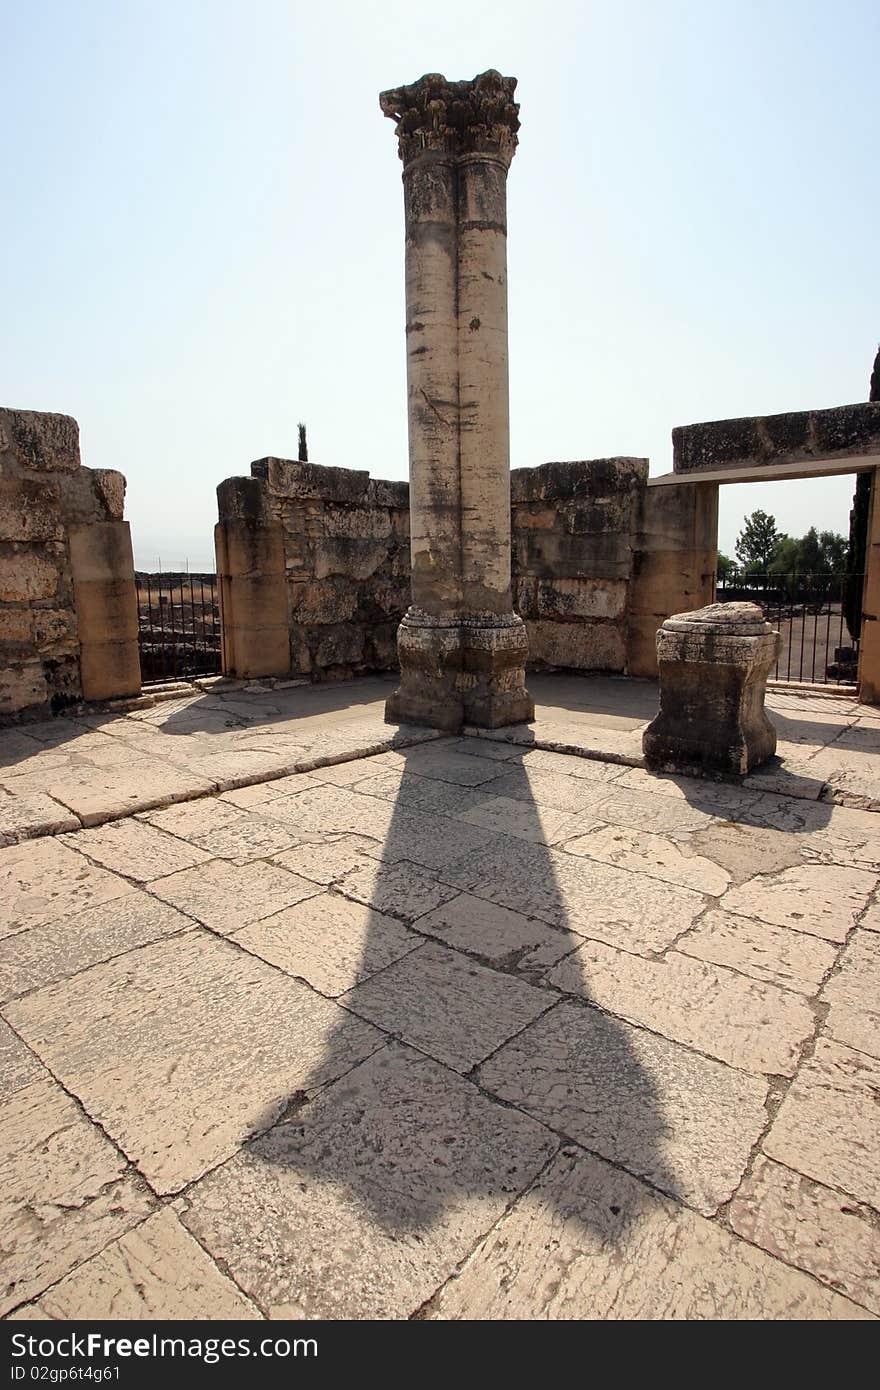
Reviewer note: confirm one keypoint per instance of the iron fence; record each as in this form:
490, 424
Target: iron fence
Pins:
807, 609
178, 626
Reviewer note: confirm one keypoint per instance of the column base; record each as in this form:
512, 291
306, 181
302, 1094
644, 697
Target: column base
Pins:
461, 671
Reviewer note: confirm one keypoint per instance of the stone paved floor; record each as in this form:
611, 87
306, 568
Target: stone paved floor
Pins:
451, 1028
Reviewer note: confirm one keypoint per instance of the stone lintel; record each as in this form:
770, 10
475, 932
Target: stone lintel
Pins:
849, 432
574, 478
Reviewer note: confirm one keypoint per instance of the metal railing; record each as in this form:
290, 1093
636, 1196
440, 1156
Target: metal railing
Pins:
178, 626
808, 611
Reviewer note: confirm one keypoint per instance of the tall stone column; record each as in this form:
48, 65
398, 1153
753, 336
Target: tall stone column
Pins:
462, 649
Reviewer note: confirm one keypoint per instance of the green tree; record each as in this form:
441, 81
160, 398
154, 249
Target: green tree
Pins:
303, 449
758, 541
725, 566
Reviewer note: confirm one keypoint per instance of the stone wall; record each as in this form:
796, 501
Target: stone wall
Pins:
68, 614
572, 531
314, 570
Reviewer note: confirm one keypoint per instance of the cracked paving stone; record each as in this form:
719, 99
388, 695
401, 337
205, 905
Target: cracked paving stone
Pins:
327, 860
329, 941
481, 1008
226, 896
641, 852
495, 934
595, 900
435, 760
56, 950
64, 1191
43, 880
107, 793
811, 1227
372, 1196
28, 813
747, 1024
854, 995
590, 1242
778, 955
187, 819
399, 889
827, 1124
135, 849
18, 1065
156, 1271
184, 1048
552, 791
822, 899
507, 816
683, 1121
409, 789
251, 836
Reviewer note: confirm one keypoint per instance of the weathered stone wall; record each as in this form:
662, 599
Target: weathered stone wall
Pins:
573, 528
314, 566
315, 570
68, 615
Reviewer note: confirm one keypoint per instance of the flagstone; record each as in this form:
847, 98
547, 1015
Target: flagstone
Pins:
812, 1227
853, 995
641, 852
826, 1127
791, 959
822, 899
371, 1196
236, 1037
748, 1024
41, 880
496, 934
226, 896
685, 1122
588, 1242
136, 849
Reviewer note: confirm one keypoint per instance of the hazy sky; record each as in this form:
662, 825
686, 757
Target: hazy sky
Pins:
203, 230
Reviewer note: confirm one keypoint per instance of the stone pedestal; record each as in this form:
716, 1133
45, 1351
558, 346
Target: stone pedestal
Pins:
714, 665
462, 649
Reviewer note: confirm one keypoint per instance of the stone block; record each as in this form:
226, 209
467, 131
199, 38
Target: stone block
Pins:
243, 499
110, 670
341, 645
353, 558
22, 684
91, 495
101, 551
577, 478
29, 510
53, 628
581, 598
250, 652
253, 548
289, 478
576, 646
106, 610
28, 575
713, 665
324, 601
357, 523
40, 441
16, 625
552, 555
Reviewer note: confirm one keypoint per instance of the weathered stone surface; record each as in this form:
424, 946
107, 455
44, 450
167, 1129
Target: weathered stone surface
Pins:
495, 934
871, 919
30, 510
774, 439
607, 904
25, 814
329, 941
823, 900
641, 852
713, 664
422, 793
481, 1008
212, 1014
685, 1122
18, 1065
590, 1242
39, 440
226, 897
506, 815
59, 949
791, 959
156, 1271
136, 849
748, 1024
398, 889
120, 791
188, 819
826, 1127
853, 994
64, 1190
248, 837
26, 576
328, 860
371, 1196
811, 1227
561, 645
44, 880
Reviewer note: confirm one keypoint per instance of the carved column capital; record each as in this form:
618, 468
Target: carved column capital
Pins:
455, 118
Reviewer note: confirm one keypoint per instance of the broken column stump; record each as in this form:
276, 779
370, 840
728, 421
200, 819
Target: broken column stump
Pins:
714, 665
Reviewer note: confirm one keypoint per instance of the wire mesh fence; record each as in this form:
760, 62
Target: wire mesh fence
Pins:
808, 610
178, 626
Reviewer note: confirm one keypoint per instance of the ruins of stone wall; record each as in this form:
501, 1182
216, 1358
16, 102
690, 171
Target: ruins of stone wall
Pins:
314, 566
68, 612
572, 529
314, 570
